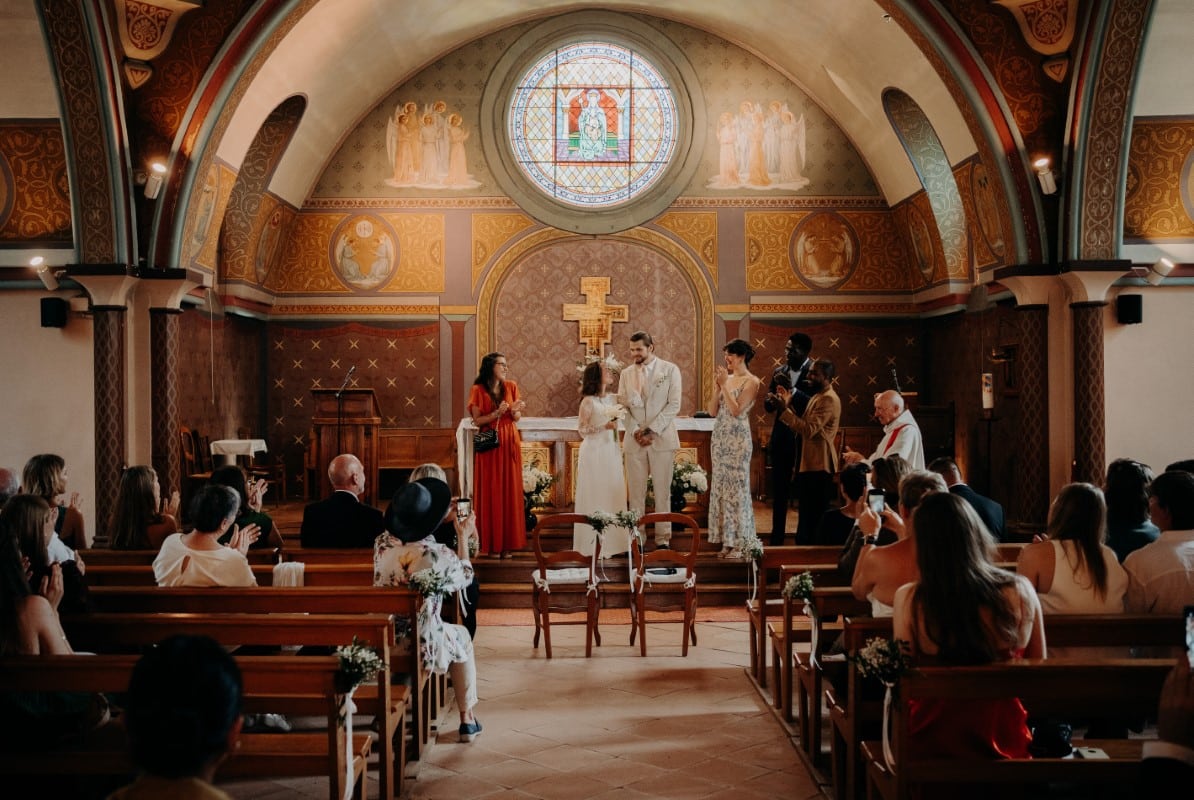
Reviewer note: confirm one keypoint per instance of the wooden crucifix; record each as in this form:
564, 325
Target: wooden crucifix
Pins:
594, 316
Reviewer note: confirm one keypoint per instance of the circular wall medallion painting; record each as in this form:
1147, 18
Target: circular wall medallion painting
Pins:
824, 250
364, 252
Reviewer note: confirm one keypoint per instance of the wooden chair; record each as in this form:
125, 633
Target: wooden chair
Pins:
667, 576
564, 582
194, 473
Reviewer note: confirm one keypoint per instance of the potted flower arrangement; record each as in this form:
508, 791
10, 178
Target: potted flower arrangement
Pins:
687, 478
535, 483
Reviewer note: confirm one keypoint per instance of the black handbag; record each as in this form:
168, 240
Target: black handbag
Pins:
485, 440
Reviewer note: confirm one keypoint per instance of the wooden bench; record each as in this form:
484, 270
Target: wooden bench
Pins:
383, 700
103, 556
274, 684
400, 602
854, 718
355, 574
1047, 687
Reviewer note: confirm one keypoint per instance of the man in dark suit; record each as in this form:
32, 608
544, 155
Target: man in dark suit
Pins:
342, 520
783, 448
990, 512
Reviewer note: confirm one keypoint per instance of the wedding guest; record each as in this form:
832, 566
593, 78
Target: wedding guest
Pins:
197, 558
494, 403
964, 610
29, 623
600, 480
10, 484
45, 476
817, 428
886, 474
731, 512
250, 492
1072, 570
30, 521
141, 521
183, 716
408, 548
447, 535
1126, 490
342, 520
836, 523
1161, 574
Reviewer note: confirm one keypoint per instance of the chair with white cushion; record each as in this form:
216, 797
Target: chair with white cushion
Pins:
664, 579
564, 582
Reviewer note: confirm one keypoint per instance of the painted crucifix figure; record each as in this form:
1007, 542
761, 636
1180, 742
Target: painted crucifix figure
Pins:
595, 316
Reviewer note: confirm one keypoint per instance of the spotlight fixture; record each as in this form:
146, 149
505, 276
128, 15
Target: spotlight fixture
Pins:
153, 183
1044, 174
44, 273
1159, 271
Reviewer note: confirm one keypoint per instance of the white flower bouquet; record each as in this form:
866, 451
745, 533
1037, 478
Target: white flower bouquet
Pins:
535, 483
883, 659
358, 663
600, 520
799, 587
430, 582
752, 547
688, 478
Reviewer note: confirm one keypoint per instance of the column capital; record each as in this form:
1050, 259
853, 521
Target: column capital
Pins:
1029, 283
1088, 281
165, 288
107, 285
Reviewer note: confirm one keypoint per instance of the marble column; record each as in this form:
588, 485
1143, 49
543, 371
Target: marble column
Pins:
1031, 501
165, 422
1090, 408
110, 439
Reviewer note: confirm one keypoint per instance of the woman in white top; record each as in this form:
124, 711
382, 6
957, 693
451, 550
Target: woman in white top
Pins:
1072, 569
198, 558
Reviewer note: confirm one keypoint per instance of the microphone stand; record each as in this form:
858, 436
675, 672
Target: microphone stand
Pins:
340, 409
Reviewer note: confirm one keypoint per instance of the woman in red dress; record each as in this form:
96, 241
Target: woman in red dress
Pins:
494, 402
965, 610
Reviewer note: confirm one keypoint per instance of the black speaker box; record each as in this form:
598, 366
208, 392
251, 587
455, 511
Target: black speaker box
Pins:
1129, 309
53, 312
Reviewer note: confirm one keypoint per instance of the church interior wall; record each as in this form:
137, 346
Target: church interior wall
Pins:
222, 373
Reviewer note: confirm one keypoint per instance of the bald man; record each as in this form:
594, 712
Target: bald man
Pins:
901, 434
342, 520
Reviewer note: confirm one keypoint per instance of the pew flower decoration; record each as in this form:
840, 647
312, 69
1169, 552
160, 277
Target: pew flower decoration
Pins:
535, 483
799, 587
688, 478
600, 520
358, 663
883, 659
431, 583
627, 520
752, 548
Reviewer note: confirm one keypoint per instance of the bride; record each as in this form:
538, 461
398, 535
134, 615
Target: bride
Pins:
600, 480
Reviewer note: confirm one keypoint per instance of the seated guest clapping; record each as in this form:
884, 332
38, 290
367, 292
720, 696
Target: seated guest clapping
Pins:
183, 718
30, 521
141, 520
198, 558
408, 549
251, 492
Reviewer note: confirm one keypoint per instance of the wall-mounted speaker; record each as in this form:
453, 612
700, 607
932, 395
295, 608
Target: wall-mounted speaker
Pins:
1129, 309
53, 312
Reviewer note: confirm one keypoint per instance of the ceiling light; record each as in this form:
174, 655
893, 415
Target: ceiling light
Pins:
1159, 271
1044, 174
153, 183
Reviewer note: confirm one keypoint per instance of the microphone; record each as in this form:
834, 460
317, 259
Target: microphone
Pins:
895, 379
348, 375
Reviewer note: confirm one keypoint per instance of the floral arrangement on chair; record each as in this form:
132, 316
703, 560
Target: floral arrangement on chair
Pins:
430, 582
535, 483
883, 659
799, 587
358, 663
752, 548
600, 520
688, 478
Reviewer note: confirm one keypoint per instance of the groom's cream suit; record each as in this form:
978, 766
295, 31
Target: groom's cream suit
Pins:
650, 393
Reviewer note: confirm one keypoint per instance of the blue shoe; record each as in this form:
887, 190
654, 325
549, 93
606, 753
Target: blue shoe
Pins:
470, 730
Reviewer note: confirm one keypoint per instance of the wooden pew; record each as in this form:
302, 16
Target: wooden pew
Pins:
277, 684
767, 598
1046, 687
383, 700
99, 556
398, 601
854, 719
356, 574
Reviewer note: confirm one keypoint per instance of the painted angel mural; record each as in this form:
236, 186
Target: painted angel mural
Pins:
760, 148
426, 148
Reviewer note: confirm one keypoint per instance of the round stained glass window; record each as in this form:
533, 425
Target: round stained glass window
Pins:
593, 124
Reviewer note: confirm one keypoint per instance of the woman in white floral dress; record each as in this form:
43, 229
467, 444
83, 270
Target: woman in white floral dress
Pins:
731, 512
408, 549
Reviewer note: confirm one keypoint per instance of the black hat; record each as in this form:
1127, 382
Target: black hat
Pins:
418, 508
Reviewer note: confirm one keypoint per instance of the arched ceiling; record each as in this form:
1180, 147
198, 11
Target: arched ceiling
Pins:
344, 56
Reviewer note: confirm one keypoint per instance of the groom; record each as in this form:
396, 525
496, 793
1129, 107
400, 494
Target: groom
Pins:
650, 392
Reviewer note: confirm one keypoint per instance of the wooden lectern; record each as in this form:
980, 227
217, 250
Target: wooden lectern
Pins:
347, 423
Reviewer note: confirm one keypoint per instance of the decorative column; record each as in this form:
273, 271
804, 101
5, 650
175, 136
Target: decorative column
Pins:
1031, 502
110, 452
164, 424
1090, 408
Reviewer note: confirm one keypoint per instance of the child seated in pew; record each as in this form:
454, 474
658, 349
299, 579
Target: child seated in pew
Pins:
965, 610
183, 718
406, 549
197, 558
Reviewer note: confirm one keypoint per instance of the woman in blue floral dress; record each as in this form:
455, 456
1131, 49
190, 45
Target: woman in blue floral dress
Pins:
407, 554
731, 512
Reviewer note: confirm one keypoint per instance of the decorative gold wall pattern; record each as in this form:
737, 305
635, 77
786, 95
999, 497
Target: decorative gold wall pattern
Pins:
34, 190
779, 243
202, 234
305, 265
698, 230
1159, 201
982, 214
490, 232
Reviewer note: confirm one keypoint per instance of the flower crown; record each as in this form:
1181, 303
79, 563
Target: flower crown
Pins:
611, 363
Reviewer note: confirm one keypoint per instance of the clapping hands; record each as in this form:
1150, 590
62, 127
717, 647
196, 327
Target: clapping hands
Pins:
243, 538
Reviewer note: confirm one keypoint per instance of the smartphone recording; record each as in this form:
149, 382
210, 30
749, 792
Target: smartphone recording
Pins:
876, 500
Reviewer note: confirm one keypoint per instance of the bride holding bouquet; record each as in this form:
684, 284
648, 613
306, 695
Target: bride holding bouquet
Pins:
600, 480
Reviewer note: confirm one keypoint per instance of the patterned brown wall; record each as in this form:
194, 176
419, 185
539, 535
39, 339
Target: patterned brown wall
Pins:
1159, 203
34, 190
221, 374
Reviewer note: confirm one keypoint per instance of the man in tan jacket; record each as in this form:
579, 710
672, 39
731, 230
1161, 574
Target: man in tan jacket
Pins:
817, 427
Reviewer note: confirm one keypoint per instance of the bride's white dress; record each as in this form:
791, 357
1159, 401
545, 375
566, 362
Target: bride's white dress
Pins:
600, 478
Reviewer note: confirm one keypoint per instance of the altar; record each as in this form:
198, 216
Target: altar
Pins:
553, 444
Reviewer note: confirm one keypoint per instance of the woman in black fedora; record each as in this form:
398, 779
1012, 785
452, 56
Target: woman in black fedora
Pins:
408, 549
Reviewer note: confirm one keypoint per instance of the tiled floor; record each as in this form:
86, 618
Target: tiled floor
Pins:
616, 725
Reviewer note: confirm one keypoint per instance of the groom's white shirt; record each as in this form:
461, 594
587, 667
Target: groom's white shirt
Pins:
651, 394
